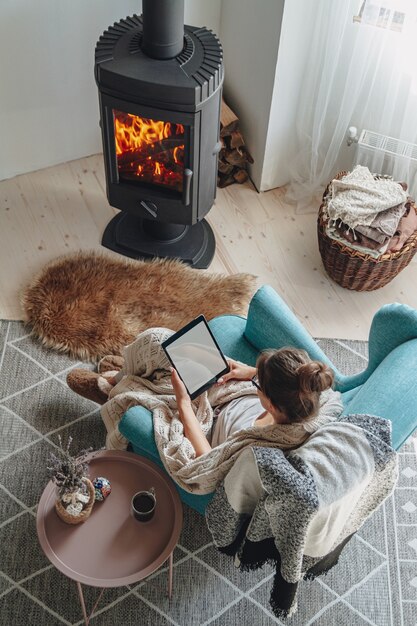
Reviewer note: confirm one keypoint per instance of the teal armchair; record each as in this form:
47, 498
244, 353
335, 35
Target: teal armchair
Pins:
385, 388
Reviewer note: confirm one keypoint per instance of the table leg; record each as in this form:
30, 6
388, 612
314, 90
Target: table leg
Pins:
80, 593
170, 574
82, 602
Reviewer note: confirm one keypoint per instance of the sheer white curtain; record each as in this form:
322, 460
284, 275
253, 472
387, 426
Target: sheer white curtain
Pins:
361, 72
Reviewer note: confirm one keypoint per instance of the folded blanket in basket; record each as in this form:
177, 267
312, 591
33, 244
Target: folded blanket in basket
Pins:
299, 509
356, 240
384, 225
341, 232
359, 197
406, 227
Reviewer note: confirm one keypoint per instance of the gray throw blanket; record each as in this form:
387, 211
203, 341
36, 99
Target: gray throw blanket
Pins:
298, 509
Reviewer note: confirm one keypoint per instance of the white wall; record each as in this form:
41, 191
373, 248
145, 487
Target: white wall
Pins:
203, 13
250, 35
266, 44
48, 97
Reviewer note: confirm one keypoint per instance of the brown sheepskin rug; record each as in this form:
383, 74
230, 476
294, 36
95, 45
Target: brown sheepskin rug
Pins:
90, 304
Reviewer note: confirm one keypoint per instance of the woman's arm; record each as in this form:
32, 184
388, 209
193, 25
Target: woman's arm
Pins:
192, 429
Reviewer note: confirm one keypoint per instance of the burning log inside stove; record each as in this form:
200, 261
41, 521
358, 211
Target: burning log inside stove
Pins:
156, 150
234, 156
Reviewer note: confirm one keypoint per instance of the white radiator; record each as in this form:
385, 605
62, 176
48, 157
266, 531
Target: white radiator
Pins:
386, 155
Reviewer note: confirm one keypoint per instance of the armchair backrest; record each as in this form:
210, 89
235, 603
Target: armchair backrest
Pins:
272, 324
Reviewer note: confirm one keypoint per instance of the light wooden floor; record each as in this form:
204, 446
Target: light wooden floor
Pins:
64, 208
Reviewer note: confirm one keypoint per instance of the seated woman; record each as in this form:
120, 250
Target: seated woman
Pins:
287, 386
291, 394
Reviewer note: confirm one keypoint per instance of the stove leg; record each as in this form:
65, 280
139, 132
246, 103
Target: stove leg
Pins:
138, 238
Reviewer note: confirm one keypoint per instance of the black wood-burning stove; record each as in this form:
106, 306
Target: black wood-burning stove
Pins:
160, 88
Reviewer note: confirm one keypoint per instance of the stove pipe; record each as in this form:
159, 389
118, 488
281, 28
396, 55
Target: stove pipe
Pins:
163, 28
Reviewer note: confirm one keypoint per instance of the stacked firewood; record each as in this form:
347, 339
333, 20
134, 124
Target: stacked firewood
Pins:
234, 156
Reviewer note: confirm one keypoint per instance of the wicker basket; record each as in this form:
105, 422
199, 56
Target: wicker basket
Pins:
356, 270
85, 513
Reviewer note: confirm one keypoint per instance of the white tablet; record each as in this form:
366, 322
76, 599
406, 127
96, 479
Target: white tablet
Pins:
196, 356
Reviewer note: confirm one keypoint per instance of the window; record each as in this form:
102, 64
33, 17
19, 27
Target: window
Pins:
389, 14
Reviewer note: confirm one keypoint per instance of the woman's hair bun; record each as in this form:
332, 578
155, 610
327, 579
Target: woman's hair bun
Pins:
314, 376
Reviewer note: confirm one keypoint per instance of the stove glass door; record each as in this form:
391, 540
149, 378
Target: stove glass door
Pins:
149, 151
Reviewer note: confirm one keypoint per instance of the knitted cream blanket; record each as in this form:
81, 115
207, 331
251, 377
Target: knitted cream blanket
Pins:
147, 382
358, 198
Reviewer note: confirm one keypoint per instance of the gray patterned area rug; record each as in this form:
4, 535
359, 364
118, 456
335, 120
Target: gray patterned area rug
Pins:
375, 581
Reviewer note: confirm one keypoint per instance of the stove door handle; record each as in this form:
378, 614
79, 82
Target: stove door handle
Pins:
150, 207
188, 174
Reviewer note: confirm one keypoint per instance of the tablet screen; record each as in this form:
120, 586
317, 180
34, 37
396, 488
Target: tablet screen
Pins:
194, 353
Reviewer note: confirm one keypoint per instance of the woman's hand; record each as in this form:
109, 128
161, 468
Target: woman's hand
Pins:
238, 371
180, 391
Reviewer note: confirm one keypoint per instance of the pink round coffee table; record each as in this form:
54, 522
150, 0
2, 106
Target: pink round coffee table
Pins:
111, 548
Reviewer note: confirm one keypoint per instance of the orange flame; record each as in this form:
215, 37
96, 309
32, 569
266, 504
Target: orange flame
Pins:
149, 150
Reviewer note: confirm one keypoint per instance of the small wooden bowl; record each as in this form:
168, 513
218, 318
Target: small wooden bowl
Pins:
85, 513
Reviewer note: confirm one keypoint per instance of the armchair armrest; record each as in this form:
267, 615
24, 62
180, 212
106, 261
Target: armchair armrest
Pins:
392, 325
137, 426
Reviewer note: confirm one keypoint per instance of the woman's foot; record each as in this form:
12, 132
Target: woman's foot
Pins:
110, 363
90, 385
